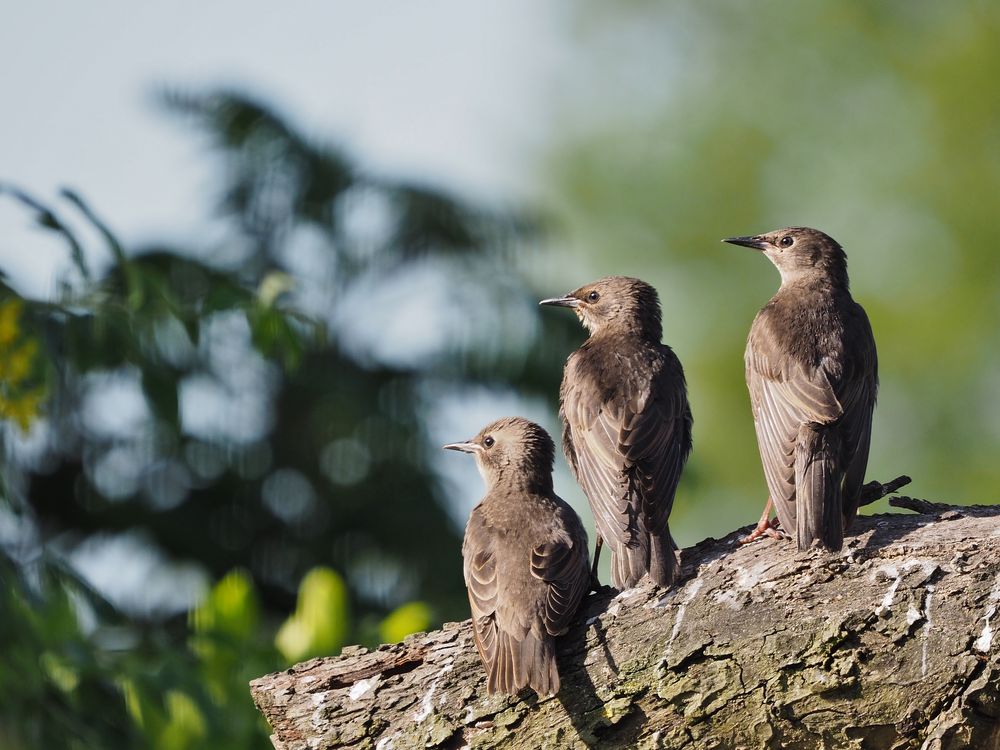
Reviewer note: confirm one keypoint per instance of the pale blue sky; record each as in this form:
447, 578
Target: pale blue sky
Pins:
454, 93
451, 92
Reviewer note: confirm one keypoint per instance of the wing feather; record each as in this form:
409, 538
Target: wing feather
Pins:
656, 440
519, 603
784, 395
564, 568
863, 369
480, 572
627, 448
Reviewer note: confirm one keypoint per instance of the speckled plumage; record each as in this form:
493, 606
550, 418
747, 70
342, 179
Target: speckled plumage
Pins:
525, 558
626, 425
812, 373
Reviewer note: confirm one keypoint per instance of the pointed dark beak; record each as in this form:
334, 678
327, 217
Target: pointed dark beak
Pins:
566, 301
752, 242
463, 447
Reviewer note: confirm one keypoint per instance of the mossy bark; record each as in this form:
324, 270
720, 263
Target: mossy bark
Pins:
887, 644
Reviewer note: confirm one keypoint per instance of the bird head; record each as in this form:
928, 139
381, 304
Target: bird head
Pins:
616, 303
514, 450
799, 253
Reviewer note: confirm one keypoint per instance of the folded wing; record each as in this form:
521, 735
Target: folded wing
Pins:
785, 395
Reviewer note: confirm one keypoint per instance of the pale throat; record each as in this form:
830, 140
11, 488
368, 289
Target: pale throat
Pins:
488, 478
791, 276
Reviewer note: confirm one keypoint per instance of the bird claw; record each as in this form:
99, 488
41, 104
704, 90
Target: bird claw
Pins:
775, 533
766, 527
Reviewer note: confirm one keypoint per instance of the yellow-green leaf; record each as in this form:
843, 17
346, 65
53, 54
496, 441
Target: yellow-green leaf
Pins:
404, 620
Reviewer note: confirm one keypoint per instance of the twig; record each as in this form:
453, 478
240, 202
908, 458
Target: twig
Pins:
917, 505
876, 490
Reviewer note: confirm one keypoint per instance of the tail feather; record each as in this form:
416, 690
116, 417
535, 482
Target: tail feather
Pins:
538, 655
519, 664
854, 477
628, 564
818, 489
656, 555
664, 567
500, 673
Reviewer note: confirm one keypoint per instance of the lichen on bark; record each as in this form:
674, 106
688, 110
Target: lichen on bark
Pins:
887, 644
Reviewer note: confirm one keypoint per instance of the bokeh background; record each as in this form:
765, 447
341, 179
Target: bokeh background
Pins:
260, 263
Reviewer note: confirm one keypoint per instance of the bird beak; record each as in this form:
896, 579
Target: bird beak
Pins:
754, 242
567, 301
463, 447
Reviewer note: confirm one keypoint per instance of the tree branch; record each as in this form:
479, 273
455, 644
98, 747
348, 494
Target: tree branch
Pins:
876, 490
887, 644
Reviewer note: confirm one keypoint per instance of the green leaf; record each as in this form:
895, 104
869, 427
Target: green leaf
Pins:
231, 607
409, 618
320, 622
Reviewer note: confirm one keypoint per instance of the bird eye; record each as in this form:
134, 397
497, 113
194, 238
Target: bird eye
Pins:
593, 297
488, 441
787, 241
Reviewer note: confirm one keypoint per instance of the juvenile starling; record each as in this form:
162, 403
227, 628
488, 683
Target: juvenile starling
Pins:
525, 555
626, 425
812, 373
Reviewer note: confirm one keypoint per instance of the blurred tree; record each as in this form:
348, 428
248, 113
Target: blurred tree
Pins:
76, 674
20, 390
277, 422
872, 122
255, 407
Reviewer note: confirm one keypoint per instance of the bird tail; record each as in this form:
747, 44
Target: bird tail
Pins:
664, 567
629, 563
654, 554
818, 488
519, 664
854, 477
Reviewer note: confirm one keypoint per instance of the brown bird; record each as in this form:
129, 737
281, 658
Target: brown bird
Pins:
626, 425
525, 555
812, 372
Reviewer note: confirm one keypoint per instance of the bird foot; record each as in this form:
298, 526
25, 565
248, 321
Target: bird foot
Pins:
766, 527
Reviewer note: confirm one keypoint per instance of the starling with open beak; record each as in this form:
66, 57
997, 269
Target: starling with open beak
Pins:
812, 372
626, 425
525, 558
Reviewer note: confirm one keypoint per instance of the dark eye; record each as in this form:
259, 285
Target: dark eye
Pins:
593, 297
488, 441
787, 241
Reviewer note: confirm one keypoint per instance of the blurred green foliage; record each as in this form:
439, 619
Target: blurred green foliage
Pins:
76, 674
254, 404
411, 617
310, 630
875, 122
20, 391
230, 405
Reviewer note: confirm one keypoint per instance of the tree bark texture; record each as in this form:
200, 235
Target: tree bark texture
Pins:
891, 643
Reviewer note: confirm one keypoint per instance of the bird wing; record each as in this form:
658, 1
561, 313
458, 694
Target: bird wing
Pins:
784, 396
656, 439
480, 568
591, 438
562, 564
514, 618
862, 374
619, 452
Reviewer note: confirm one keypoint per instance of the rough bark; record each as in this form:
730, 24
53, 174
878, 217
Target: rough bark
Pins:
887, 644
